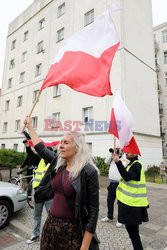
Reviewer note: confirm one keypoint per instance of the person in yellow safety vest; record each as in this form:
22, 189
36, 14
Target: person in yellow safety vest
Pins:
42, 160
132, 197
40, 172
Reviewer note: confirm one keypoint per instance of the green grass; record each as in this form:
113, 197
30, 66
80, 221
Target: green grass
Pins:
154, 178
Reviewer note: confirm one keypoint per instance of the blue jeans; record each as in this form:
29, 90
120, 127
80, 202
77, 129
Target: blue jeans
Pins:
111, 199
38, 207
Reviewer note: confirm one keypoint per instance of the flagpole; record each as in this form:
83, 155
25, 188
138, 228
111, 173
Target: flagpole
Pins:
114, 144
37, 99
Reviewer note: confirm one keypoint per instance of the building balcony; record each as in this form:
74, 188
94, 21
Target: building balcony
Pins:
161, 111
157, 67
159, 88
156, 46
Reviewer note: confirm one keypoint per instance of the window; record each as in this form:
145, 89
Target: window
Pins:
164, 36
87, 114
24, 56
17, 125
89, 144
5, 126
7, 105
60, 34
56, 90
9, 83
35, 121
25, 36
89, 17
15, 147
12, 64
13, 45
165, 79
22, 77
35, 94
19, 101
41, 23
165, 56
56, 118
38, 69
2, 146
40, 47
154, 37
61, 9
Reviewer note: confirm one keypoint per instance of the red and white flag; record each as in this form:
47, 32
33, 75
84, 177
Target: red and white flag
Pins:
121, 125
46, 142
83, 62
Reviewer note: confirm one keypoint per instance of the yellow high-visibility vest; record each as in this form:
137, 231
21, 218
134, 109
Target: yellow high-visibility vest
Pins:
133, 193
40, 172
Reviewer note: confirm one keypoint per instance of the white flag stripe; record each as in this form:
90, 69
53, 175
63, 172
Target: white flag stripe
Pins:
123, 115
102, 27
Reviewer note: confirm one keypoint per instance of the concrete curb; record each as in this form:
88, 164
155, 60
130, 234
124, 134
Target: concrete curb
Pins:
20, 228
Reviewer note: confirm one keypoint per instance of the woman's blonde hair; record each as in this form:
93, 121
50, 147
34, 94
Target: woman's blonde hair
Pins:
82, 156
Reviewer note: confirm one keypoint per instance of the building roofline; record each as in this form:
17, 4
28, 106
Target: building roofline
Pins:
160, 26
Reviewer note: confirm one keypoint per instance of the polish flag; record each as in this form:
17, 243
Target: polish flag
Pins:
46, 143
83, 62
121, 125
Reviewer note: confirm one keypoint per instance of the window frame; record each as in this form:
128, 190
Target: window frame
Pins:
88, 19
10, 83
5, 127
55, 115
165, 74
164, 36
7, 103
35, 122
61, 10
35, 94
15, 146
41, 24
12, 63
22, 77
89, 116
19, 101
40, 47
165, 57
38, 69
13, 45
56, 90
60, 36
17, 125
24, 56
25, 38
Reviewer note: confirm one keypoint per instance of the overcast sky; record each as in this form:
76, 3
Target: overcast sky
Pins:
12, 8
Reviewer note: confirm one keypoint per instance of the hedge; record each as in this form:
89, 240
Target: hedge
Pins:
10, 158
102, 166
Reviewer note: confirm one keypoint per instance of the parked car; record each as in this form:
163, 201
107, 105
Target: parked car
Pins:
12, 199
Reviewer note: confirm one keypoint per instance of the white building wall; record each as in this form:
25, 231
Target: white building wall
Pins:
160, 49
132, 73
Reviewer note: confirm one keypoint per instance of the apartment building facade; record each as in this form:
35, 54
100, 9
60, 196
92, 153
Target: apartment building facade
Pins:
34, 38
160, 42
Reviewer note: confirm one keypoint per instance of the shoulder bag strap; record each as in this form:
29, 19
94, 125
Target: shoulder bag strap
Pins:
67, 200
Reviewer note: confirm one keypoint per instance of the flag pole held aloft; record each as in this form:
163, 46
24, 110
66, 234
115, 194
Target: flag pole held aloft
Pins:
37, 99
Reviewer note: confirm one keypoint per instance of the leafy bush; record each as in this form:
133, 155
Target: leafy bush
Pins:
10, 158
102, 166
152, 171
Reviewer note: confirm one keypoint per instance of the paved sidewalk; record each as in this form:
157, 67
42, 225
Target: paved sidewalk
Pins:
153, 233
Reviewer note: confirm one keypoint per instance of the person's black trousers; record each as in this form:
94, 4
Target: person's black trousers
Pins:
133, 231
111, 199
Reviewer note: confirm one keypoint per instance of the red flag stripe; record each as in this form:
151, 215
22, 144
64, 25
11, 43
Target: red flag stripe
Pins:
83, 72
132, 147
